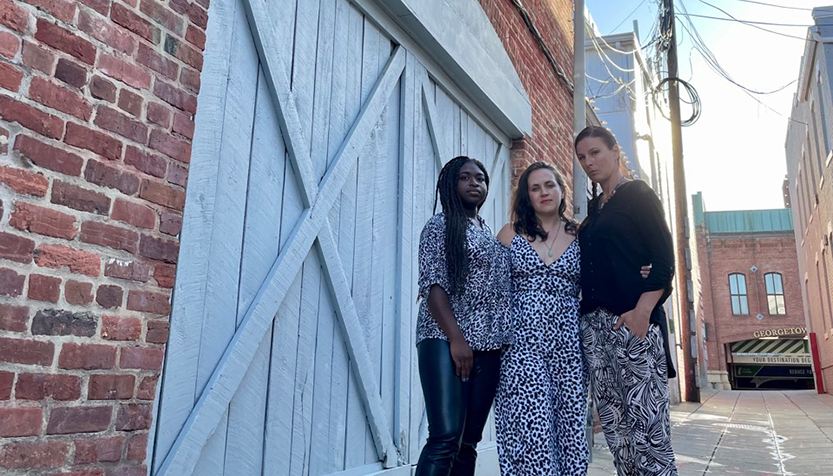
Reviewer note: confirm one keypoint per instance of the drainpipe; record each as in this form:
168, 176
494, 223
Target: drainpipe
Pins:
579, 109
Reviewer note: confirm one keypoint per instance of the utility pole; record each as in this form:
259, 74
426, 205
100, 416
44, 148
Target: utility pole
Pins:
579, 110
688, 329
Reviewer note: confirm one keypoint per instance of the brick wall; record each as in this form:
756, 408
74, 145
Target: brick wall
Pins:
96, 105
721, 255
552, 101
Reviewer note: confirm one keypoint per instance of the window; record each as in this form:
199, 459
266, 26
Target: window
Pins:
737, 289
775, 294
825, 130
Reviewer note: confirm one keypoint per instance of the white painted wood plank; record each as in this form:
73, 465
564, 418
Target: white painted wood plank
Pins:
379, 227
219, 321
446, 118
357, 428
473, 139
438, 134
354, 337
211, 460
323, 88
305, 368
389, 211
294, 106
244, 448
339, 381
303, 61
321, 462
277, 444
427, 164
339, 87
338, 402
411, 98
247, 414
280, 404
238, 355
362, 278
178, 381
464, 132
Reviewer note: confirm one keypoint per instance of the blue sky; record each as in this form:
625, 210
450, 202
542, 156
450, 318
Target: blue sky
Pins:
735, 153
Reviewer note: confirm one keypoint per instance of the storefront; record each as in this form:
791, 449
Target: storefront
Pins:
776, 359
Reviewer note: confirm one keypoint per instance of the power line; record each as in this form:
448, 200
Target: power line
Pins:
711, 59
751, 24
777, 6
629, 15
748, 22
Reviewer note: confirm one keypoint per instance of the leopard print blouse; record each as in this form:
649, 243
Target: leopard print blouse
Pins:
482, 309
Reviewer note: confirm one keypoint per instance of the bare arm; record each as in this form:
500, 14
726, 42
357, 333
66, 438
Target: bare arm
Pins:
506, 235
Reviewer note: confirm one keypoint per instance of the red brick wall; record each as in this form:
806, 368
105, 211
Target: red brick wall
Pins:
721, 255
552, 101
96, 106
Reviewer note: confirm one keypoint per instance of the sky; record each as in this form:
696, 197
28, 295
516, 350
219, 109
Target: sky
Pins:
734, 153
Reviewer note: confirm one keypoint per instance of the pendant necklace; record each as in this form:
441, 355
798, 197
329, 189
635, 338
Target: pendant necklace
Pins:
549, 247
612, 193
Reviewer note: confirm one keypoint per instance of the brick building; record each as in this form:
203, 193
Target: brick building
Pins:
749, 310
809, 155
98, 117
549, 85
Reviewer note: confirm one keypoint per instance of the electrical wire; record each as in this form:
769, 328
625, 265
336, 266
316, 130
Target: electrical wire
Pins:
613, 76
535, 33
694, 96
600, 50
711, 59
627, 17
750, 24
777, 6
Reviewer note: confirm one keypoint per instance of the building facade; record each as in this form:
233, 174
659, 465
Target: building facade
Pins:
809, 155
235, 152
749, 309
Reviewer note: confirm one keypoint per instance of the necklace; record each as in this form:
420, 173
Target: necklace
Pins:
549, 247
612, 193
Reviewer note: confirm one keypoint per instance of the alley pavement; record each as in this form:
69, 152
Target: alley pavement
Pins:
750, 433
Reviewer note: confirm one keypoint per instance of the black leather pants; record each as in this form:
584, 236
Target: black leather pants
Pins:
457, 411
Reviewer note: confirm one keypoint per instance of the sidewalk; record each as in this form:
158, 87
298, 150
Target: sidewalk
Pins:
746, 433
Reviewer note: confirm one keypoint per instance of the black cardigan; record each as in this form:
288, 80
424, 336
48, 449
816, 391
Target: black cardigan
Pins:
628, 233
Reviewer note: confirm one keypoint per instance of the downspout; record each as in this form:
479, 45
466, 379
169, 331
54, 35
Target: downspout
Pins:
579, 109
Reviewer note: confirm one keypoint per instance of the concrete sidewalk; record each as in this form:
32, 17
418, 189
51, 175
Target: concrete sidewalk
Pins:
750, 433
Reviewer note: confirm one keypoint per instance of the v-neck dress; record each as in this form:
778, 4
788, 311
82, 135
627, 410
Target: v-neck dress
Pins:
542, 396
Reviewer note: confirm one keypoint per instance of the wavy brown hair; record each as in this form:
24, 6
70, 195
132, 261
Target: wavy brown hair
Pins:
523, 217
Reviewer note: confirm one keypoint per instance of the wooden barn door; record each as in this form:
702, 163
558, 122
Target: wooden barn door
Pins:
318, 142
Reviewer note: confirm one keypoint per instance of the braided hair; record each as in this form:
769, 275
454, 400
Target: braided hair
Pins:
524, 221
456, 221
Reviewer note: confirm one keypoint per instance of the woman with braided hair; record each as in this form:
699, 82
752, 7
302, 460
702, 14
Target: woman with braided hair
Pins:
462, 320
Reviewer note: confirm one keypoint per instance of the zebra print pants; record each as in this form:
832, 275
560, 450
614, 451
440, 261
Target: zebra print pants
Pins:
629, 384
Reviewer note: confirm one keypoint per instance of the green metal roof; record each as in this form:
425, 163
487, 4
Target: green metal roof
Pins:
750, 221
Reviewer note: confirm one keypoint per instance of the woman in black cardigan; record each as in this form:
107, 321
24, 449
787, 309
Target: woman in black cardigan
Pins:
624, 330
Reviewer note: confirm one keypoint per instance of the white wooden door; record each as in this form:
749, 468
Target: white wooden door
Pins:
319, 137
